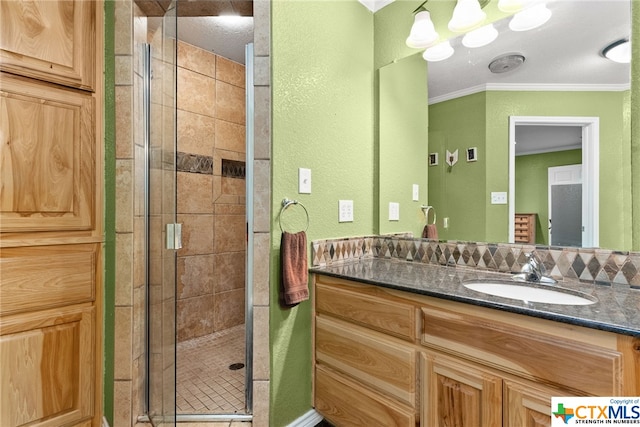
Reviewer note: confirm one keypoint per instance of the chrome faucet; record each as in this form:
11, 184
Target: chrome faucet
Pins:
534, 271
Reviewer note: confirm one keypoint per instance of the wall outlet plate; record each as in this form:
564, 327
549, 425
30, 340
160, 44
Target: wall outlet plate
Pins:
345, 211
498, 197
416, 192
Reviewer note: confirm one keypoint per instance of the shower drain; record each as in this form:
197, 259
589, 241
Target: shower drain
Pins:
236, 366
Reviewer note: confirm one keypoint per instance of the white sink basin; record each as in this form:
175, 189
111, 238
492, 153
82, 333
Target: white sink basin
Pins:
532, 293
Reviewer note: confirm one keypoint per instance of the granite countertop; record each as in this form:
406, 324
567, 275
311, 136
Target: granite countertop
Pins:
617, 309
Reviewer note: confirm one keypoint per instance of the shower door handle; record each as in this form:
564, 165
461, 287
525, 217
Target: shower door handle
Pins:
174, 236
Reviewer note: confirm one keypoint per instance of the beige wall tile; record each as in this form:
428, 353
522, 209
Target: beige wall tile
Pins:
262, 196
123, 34
261, 71
124, 70
122, 345
196, 133
124, 269
124, 196
228, 309
196, 93
262, 123
230, 103
196, 59
262, 27
124, 131
230, 72
260, 403
139, 258
138, 326
233, 187
194, 193
197, 232
230, 136
262, 246
261, 343
196, 275
230, 233
194, 317
122, 404
229, 271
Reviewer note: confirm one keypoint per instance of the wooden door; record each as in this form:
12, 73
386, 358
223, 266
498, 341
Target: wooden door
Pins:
456, 393
51, 232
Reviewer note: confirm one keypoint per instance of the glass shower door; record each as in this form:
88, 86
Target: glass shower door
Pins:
162, 232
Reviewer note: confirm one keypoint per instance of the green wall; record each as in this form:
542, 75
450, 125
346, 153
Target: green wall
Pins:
615, 164
634, 202
403, 126
323, 119
110, 211
532, 194
458, 192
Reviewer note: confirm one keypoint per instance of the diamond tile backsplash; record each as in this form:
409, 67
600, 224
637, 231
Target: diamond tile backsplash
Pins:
599, 266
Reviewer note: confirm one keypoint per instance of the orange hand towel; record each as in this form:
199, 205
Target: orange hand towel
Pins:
293, 260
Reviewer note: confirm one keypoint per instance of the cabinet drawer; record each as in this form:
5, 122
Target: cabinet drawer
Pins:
383, 363
387, 316
346, 403
39, 277
532, 354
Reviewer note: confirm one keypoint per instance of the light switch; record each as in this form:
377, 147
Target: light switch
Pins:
345, 211
304, 181
416, 192
394, 211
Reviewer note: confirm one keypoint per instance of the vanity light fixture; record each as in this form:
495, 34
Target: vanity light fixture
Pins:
510, 6
423, 33
530, 18
618, 51
480, 37
439, 52
467, 15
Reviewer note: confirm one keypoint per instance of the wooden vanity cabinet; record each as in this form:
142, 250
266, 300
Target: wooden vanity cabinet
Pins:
365, 356
457, 365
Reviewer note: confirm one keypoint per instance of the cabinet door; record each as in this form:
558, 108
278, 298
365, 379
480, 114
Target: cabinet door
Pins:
459, 394
50, 40
47, 367
529, 405
47, 157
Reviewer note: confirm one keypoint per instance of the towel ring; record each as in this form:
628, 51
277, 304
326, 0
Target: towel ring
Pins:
285, 204
426, 210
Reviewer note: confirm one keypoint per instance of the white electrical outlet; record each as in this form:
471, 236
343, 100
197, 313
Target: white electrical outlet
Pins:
304, 181
416, 192
394, 211
345, 211
498, 197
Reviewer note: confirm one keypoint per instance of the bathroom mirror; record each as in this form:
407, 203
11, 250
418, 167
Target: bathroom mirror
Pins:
563, 75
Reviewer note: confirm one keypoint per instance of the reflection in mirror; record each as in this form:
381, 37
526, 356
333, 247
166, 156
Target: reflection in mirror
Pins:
564, 75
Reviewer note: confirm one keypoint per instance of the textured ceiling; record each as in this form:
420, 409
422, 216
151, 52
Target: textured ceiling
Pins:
198, 7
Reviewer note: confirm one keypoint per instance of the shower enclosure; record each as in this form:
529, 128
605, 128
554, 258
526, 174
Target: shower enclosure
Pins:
165, 178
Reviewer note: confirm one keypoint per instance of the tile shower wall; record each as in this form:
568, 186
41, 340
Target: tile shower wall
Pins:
129, 382
599, 266
211, 206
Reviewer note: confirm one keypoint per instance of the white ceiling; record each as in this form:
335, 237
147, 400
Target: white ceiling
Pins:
226, 36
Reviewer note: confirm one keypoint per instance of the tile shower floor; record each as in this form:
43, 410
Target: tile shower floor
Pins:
204, 383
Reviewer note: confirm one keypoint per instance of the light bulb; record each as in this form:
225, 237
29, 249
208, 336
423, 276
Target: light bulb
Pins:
480, 37
439, 52
467, 15
423, 34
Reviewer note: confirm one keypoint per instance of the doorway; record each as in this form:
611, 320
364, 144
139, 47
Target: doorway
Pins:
589, 135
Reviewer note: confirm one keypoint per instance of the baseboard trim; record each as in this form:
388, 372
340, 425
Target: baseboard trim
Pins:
310, 419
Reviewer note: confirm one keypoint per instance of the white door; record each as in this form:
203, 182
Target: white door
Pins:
565, 206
